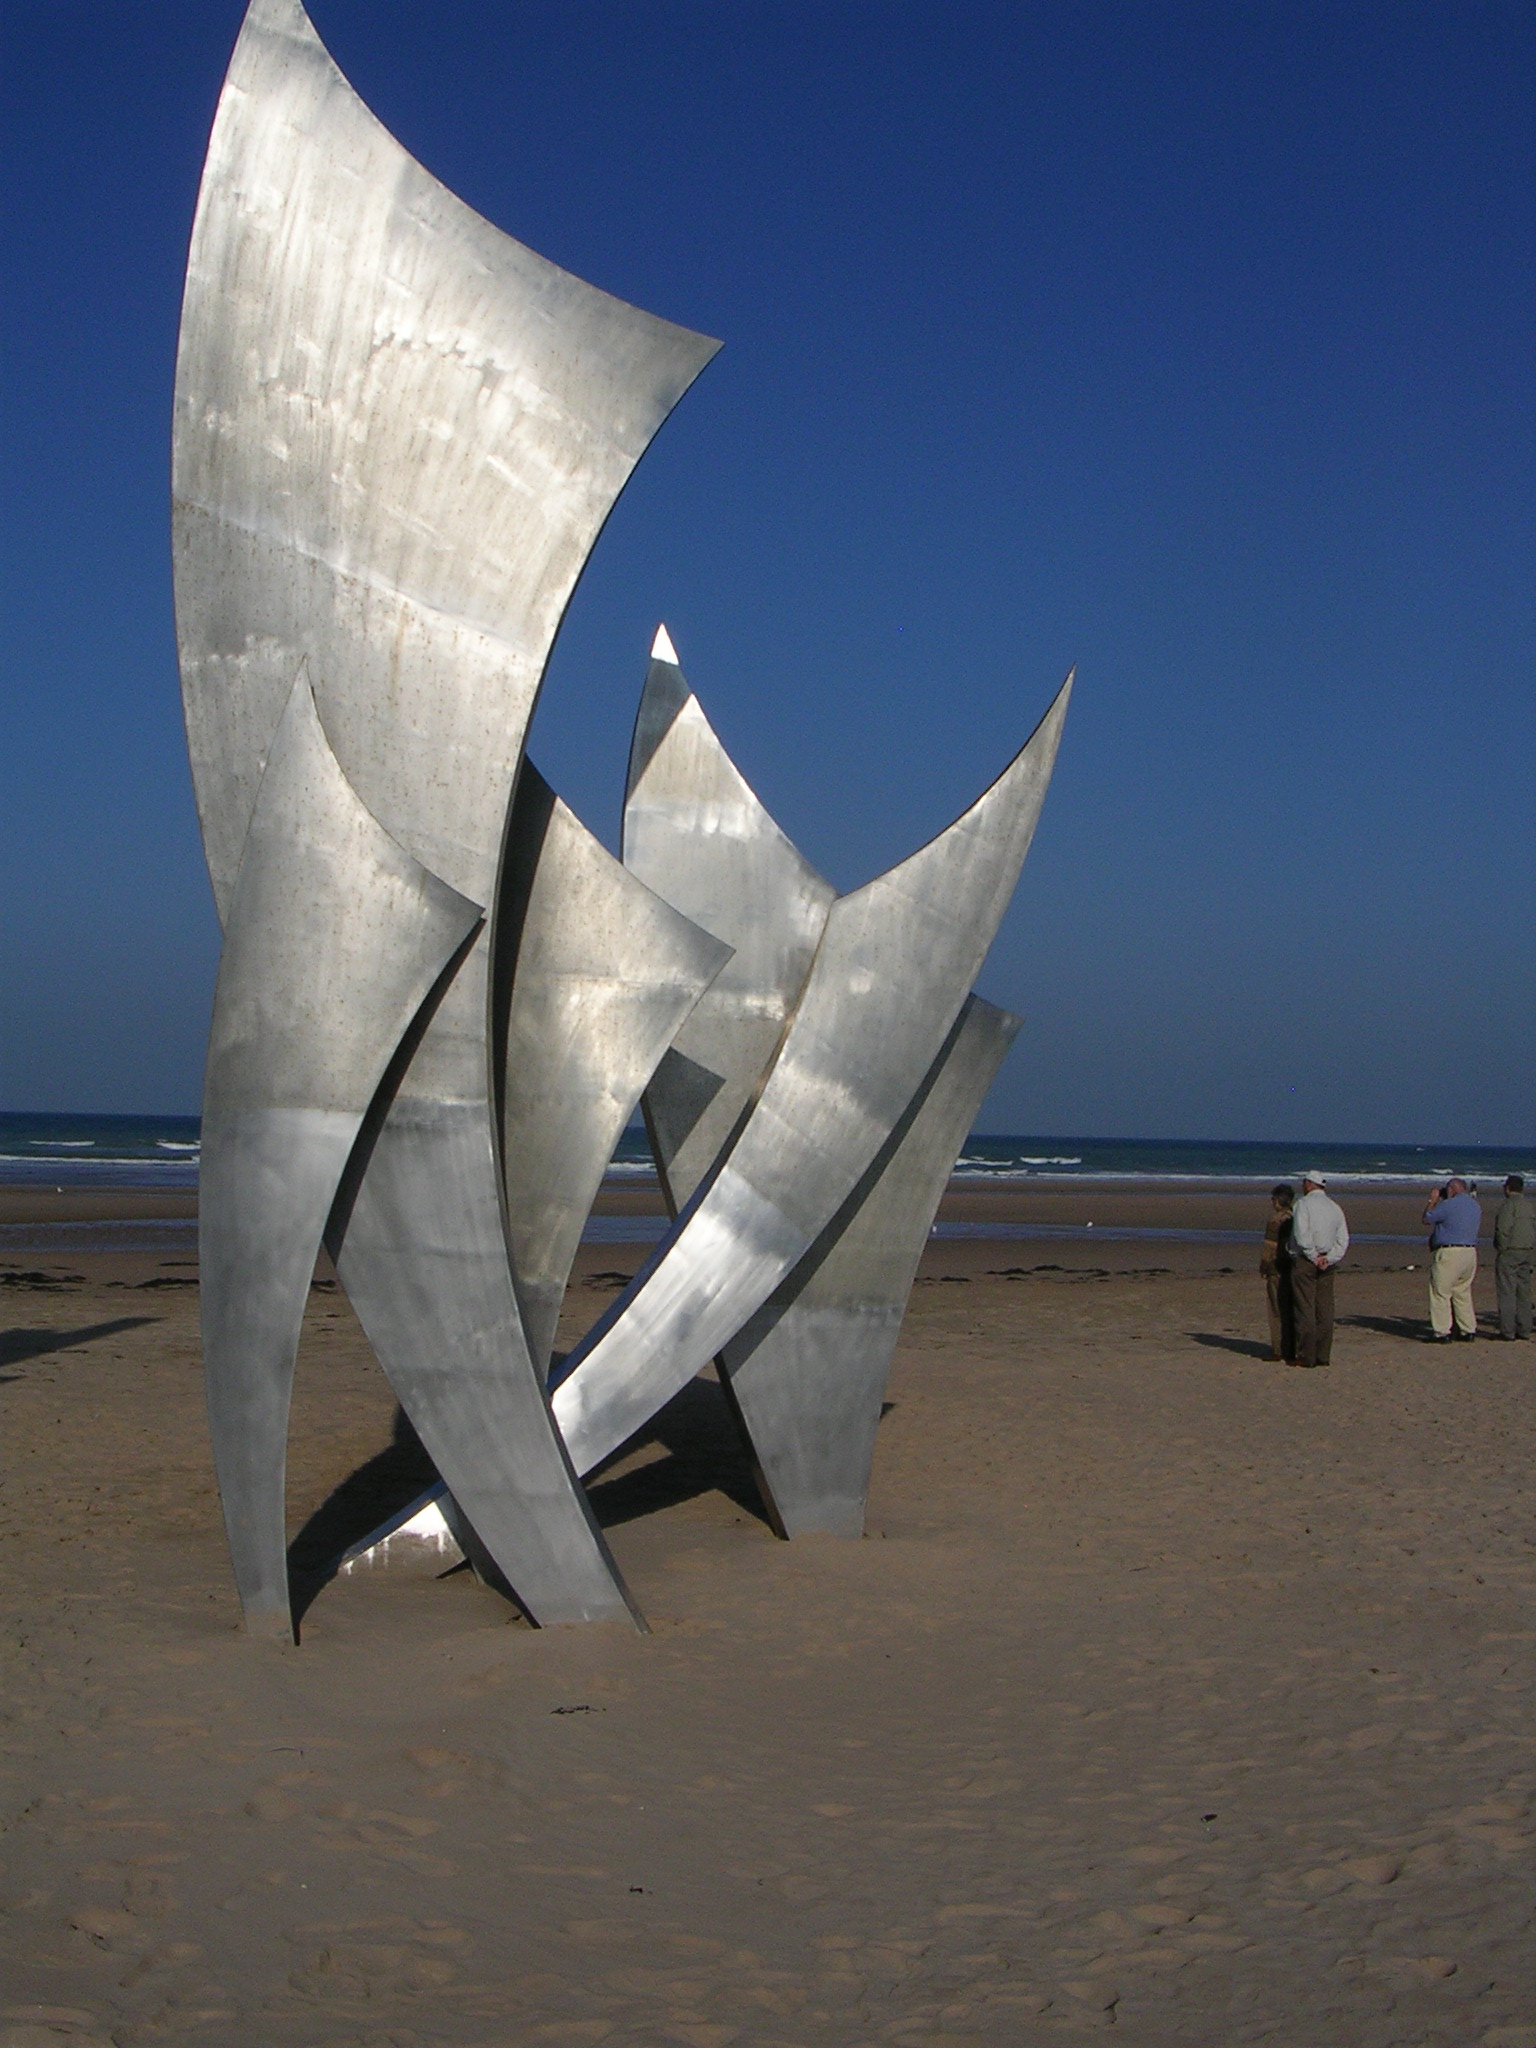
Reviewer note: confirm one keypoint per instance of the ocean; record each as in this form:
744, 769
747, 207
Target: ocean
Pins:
39, 1148
46, 1149
1238, 1161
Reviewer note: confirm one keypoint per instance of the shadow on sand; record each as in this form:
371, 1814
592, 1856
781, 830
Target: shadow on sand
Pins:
380, 1488
696, 1431
699, 1432
19, 1345
1414, 1328
1241, 1347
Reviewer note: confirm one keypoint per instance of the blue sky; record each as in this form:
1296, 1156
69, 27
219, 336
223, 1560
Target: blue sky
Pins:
1192, 344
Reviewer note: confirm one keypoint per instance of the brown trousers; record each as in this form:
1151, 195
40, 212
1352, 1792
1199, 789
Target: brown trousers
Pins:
1313, 1295
1512, 1274
1282, 1315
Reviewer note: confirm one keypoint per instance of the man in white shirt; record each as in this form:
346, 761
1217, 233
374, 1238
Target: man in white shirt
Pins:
1319, 1239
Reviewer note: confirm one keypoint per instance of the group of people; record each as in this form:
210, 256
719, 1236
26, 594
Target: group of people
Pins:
1455, 1219
1303, 1244
1305, 1240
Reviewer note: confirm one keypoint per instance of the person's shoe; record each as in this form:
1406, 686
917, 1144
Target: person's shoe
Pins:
1435, 1338
1466, 1336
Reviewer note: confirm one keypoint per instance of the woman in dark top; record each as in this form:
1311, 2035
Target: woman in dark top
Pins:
1275, 1265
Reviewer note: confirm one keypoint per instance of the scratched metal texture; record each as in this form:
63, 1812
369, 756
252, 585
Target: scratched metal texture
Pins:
596, 973
896, 962
335, 939
697, 834
807, 1374
397, 434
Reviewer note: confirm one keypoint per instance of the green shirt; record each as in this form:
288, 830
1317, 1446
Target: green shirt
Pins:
1514, 1228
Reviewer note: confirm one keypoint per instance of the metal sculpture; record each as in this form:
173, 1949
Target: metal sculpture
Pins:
599, 975
397, 435
335, 939
807, 1373
695, 832
896, 961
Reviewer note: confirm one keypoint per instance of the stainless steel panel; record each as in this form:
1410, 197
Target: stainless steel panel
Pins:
807, 1373
594, 975
335, 938
895, 964
397, 436
696, 833
419, 1245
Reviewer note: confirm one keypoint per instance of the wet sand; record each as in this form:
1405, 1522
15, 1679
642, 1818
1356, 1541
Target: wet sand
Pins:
1171, 1690
1120, 1205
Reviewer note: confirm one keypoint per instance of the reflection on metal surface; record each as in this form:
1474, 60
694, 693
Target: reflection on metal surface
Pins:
417, 1539
697, 834
896, 961
419, 1245
335, 937
397, 435
807, 1373
594, 974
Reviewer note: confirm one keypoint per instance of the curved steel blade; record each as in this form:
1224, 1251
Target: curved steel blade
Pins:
334, 941
594, 975
397, 435
807, 1373
696, 833
896, 962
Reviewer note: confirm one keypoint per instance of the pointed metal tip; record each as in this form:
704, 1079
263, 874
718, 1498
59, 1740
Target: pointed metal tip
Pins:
665, 693
1046, 737
280, 17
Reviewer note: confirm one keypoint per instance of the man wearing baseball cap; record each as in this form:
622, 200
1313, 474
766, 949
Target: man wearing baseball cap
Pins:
1319, 1239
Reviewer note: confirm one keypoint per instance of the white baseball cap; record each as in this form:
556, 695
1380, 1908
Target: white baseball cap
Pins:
1314, 1177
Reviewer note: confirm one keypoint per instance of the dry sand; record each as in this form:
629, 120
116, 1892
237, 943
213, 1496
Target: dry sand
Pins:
1171, 1691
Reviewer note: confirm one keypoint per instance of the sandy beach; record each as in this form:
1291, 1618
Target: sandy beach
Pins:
1171, 1690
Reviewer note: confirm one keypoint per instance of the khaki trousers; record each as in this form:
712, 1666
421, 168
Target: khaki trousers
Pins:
1452, 1268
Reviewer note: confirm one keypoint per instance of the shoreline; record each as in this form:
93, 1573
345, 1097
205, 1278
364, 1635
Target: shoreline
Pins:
1106, 1197
1110, 1223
